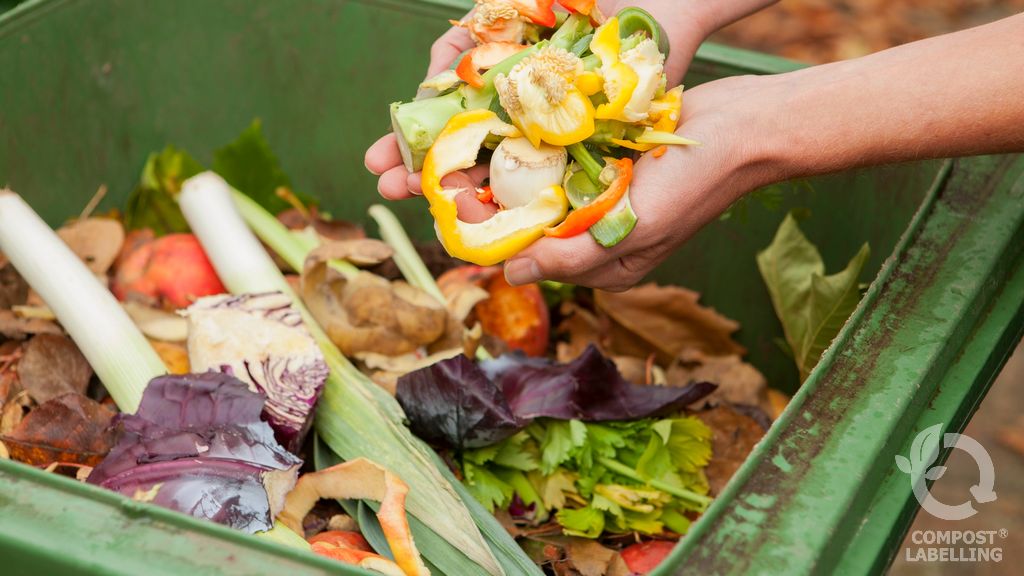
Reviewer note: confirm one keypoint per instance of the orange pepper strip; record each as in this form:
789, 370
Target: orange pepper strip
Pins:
659, 151
581, 219
485, 195
578, 6
483, 57
538, 11
467, 71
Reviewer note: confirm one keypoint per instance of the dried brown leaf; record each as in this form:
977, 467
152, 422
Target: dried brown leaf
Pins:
590, 558
97, 241
18, 328
52, 365
13, 411
580, 327
733, 436
665, 320
13, 288
294, 219
70, 428
738, 382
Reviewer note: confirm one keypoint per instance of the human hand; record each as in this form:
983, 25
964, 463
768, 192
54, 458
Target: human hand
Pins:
687, 23
674, 195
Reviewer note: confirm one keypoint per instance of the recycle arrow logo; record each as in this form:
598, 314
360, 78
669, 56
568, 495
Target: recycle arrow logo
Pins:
924, 451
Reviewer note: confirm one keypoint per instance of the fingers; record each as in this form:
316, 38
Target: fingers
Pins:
383, 155
574, 260
447, 48
392, 183
472, 210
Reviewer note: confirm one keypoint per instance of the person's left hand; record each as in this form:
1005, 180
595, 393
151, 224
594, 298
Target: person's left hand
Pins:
674, 195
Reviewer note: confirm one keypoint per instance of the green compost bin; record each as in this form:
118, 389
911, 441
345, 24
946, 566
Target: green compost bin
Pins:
91, 87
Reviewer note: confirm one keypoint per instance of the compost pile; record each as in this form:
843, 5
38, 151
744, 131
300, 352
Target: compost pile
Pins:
594, 426
221, 346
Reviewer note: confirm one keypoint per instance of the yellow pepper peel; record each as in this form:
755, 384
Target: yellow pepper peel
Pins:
506, 233
666, 111
619, 79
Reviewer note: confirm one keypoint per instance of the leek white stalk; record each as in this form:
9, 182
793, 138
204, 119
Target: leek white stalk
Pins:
107, 337
355, 417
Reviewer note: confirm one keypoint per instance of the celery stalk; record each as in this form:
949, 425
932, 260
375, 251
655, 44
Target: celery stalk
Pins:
583, 186
107, 337
416, 125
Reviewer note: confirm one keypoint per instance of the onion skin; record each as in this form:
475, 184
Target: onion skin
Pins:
519, 171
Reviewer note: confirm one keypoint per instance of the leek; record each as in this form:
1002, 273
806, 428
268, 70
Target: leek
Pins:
355, 417
107, 337
584, 185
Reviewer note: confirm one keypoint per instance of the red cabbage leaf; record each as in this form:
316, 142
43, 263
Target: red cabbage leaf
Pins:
197, 445
457, 403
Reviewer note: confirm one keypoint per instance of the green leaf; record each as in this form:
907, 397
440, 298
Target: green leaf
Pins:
675, 521
553, 487
154, 204
486, 487
585, 522
251, 167
560, 438
655, 460
518, 452
689, 444
811, 306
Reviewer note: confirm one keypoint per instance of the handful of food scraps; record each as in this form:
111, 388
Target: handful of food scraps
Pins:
559, 104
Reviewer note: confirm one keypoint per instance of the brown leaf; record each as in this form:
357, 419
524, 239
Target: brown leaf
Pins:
97, 241
385, 370
13, 288
582, 328
70, 428
53, 365
18, 328
592, 559
13, 411
1013, 436
738, 382
293, 219
640, 371
733, 436
665, 320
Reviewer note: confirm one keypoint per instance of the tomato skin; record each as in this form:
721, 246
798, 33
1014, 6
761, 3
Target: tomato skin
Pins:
644, 557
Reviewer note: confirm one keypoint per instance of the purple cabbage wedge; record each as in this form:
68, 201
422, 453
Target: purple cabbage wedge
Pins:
197, 445
458, 403
261, 340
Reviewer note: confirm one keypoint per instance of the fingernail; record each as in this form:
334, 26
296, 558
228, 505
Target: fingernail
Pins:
370, 170
522, 271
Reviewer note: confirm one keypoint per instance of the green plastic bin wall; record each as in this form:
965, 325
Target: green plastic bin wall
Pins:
90, 87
